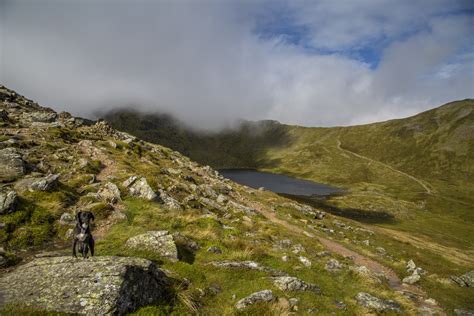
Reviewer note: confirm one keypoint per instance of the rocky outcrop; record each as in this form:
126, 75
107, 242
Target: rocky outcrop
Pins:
8, 200
377, 304
140, 188
287, 283
465, 280
257, 297
110, 193
97, 286
160, 242
12, 165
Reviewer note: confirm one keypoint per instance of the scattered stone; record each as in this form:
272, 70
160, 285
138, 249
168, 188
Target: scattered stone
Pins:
170, 203
186, 241
411, 266
110, 193
324, 253
412, 279
97, 286
288, 283
214, 249
298, 248
221, 199
142, 189
67, 219
285, 258
366, 242
246, 265
381, 250
257, 297
160, 242
374, 303
465, 280
12, 165
463, 312
333, 265
8, 201
305, 261
340, 305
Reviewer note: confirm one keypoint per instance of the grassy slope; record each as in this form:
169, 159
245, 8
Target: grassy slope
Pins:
377, 163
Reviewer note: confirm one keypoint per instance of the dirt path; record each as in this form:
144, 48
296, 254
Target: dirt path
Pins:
421, 183
393, 280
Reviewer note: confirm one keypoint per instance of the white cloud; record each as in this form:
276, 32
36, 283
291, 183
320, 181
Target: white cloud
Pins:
204, 62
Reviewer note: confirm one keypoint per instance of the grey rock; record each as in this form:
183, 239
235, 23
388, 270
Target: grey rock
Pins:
130, 181
246, 265
45, 183
40, 116
288, 283
377, 304
170, 202
8, 201
160, 242
12, 165
97, 286
412, 279
110, 193
463, 312
333, 265
257, 297
411, 266
465, 280
305, 261
214, 249
67, 219
142, 189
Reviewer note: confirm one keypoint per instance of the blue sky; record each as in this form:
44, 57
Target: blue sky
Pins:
313, 63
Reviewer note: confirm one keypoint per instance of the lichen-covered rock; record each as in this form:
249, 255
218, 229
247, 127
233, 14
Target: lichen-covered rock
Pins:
67, 219
110, 193
8, 201
45, 184
160, 242
305, 261
170, 203
246, 265
257, 297
333, 265
97, 286
287, 283
377, 304
40, 116
12, 165
412, 279
465, 280
142, 189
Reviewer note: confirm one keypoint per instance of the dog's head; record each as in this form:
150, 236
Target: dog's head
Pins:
84, 219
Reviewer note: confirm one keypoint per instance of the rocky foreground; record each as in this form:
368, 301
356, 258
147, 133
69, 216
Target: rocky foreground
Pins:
225, 248
97, 286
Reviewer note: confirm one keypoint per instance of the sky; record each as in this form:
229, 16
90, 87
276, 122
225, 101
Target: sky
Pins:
212, 62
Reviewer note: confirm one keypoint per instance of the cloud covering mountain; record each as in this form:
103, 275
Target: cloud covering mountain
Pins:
210, 62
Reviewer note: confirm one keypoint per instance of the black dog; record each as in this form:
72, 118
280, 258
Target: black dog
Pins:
83, 240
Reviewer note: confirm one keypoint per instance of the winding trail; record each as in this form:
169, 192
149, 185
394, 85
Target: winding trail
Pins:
421, 183
416, 293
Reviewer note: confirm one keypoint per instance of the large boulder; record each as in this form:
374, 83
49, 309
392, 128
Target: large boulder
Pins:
257, 297
12, 165
97, 286
170, 202
140, 188
8, 200
161, 242
377, 304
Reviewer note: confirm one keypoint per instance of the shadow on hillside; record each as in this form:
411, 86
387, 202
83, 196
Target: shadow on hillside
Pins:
364, 216
243, 146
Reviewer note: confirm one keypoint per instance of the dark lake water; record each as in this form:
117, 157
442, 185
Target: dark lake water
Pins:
278, 183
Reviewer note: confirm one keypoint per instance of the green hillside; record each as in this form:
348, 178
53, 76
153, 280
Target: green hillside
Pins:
413, 175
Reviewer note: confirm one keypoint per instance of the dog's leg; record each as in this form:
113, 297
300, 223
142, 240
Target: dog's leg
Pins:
74, 245
91, 245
